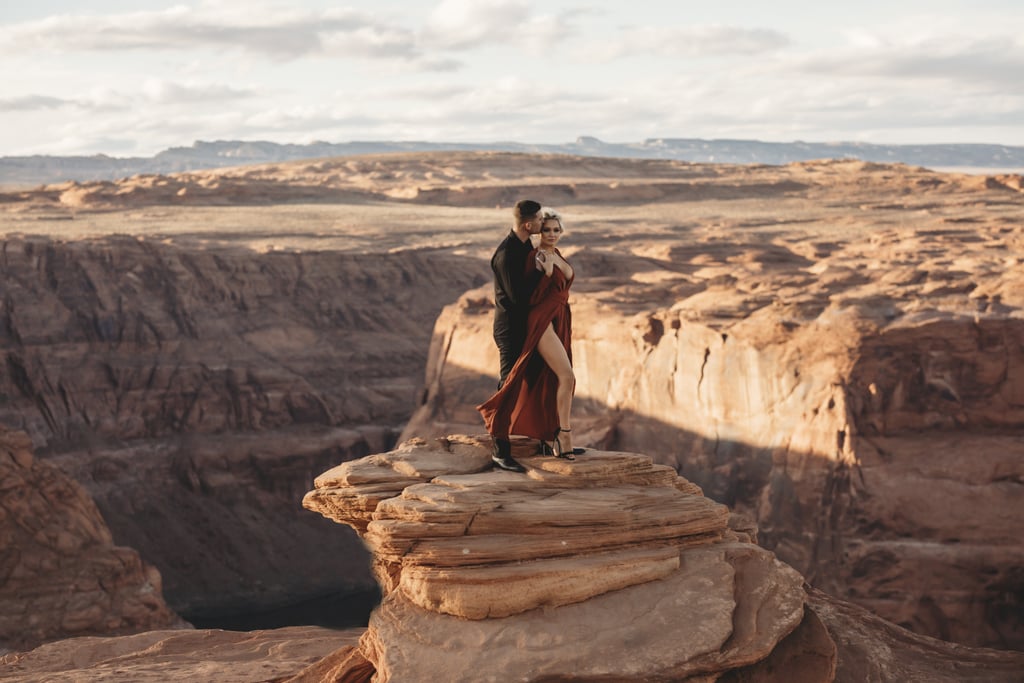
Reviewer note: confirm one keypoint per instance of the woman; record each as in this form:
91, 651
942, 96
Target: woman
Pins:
536, 398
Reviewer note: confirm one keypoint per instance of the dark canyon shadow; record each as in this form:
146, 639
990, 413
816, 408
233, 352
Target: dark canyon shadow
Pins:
195, 395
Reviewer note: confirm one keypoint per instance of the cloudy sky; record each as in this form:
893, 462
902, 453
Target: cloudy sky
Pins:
127, 77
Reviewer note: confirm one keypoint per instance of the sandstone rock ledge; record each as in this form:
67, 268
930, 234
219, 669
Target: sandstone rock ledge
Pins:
606, 568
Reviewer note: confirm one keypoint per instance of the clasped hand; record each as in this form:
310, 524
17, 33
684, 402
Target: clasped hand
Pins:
545, 262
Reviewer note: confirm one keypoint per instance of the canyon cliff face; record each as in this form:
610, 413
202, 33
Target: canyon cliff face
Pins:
833, 348
609, 567
861, 468
861, 397
196, 394
60, 573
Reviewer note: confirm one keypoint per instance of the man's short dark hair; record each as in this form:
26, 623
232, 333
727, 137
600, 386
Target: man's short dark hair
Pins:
525, 209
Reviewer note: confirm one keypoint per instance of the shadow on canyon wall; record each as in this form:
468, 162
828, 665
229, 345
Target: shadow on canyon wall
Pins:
918, 526
196, 395
858, 536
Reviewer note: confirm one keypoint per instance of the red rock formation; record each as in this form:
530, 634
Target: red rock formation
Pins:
121, 339
194, 655
732, 319
61, 574
861, 403
493, 576
609, 566
195, 394
872, 649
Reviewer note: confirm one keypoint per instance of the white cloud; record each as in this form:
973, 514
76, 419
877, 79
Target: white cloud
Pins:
993, 61
152, 92
466, 24
168, 92
462, 24
371, 42
281, 34
33, 102
776, 101
689, 41
477, 70
423, 92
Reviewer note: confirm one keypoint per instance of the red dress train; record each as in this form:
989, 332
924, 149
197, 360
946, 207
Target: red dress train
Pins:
526, 403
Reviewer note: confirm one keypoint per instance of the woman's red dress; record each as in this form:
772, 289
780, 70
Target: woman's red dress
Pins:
526, 402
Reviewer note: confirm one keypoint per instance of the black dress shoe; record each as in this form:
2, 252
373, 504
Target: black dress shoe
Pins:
507, 463
501, 456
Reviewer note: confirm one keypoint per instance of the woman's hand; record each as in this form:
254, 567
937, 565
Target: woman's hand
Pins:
546, 262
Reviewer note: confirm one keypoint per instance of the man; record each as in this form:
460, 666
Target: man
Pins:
512, 289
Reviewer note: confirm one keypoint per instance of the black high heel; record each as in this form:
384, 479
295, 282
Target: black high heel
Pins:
544, 448
559, 452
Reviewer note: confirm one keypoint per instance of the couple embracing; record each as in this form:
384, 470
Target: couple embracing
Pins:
533, 331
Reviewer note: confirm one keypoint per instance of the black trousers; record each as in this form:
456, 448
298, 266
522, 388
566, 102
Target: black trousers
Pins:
509, 348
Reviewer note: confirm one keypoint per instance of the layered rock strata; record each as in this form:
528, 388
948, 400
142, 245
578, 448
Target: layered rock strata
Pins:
231, 334
859, 395
835, 638
60, 573
194, 655
121, 338
872, 649
606, 567
195, 394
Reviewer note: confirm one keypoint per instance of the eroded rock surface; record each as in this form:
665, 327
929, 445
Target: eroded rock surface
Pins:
195, 394
855, 389
196, 655
865, 478
609, 566
798, 340
872, 649
60, 573
730, 612
493, 576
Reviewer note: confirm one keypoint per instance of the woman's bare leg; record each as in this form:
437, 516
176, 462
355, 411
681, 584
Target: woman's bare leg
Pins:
553, 353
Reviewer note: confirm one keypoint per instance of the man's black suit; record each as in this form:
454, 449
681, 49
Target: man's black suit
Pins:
512, 290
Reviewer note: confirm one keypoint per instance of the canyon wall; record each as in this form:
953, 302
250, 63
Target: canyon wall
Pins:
195, 394
619, 570
60, 573
608, 567
831, 347
874, 434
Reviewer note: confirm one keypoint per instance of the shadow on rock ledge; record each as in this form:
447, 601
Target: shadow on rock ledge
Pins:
608, 568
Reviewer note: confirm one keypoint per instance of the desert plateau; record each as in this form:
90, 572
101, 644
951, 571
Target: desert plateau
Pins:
237, 412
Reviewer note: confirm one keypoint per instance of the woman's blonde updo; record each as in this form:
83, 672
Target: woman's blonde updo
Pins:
548, 214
